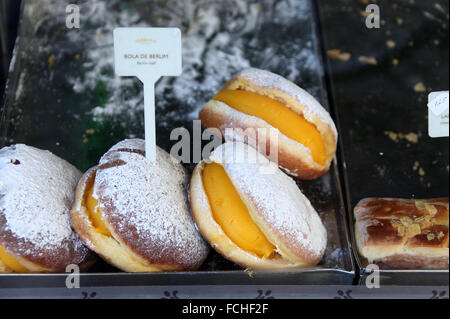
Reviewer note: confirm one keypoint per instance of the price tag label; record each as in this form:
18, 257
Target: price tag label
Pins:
438, 102
148, 53
438, 112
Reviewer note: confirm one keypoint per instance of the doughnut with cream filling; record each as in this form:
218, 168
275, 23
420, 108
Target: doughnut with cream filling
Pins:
36, 194
255, 99
257, 219
135, 213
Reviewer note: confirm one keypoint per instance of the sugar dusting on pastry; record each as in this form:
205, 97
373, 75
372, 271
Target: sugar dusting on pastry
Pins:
233, 117
219, 39
268, 79
36, 193
146, 204
280, 209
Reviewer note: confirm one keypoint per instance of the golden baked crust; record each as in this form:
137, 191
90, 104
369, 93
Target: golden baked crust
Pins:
35, 198
294, 158
144, 206
289, 223
403, 233
5, 269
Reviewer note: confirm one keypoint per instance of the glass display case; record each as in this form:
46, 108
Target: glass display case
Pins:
62, 95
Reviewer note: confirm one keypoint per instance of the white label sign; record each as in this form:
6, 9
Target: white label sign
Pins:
438, 102
152, 52
438, 111
148, 53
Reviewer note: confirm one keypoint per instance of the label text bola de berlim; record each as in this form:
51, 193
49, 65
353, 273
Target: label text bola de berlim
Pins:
146, 56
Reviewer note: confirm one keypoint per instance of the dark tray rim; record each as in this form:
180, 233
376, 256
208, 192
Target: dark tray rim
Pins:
194, 278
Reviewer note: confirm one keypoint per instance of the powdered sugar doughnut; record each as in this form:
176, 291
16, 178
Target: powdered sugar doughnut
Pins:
135, 213
287, 224
257, 99
36, 194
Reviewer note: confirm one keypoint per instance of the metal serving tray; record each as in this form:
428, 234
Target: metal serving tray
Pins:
62, 95
375, 102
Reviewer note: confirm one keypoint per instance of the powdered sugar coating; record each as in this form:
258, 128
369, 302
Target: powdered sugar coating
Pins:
234, 117
36, 194
146, 204
271, 80
275, 195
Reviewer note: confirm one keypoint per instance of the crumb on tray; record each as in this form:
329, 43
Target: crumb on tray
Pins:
368, 60
420, 87
390, 44
336, 54
410, 137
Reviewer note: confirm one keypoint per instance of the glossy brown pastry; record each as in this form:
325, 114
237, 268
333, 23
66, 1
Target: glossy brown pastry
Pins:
256, 218
257, 99
135, 213
403, 233
36, 194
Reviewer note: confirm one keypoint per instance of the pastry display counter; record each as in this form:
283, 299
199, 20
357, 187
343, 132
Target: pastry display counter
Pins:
62, 95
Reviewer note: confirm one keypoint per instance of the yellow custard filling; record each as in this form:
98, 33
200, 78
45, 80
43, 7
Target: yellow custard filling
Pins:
278, 115
11, 262
231, 214
95, 214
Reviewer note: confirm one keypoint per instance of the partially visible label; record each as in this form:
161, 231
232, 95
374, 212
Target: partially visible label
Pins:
143, 52
438, 102
438, 112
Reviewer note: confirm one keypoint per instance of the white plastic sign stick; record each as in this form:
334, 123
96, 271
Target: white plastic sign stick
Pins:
148, 53
438, 110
